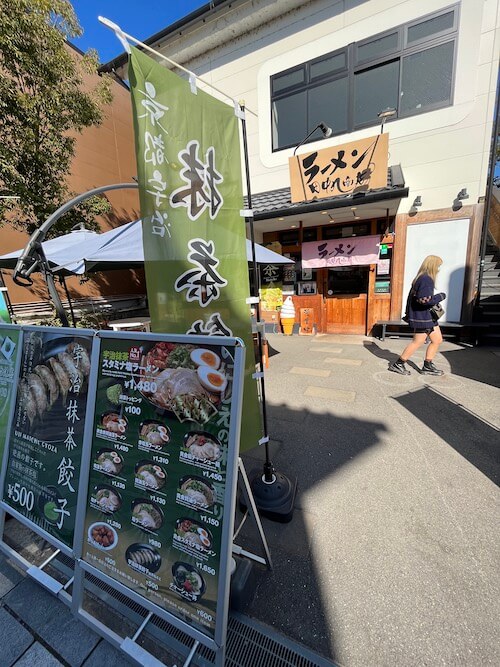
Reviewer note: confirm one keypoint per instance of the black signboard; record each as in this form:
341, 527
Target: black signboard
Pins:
162, 464
47, 432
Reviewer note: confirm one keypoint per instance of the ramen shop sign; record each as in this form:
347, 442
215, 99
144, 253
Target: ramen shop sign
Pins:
340, 170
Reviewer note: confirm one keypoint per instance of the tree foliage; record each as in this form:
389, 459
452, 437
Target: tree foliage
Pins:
43, 104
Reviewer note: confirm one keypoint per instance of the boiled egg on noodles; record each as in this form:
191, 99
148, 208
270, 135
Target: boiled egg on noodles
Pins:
203, 357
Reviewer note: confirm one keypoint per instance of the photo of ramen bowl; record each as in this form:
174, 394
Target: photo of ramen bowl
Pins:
154, 433
197, 492
113, 422
169, 381
106, 499
146, 514
150, 476
188, 581
48, 505
142, 557
108, 461
102, 536
193, 534
203, 446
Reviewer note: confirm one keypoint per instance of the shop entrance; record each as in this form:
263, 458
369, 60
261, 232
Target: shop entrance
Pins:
346, 298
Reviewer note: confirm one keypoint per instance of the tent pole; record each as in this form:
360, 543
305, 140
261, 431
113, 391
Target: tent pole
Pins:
54, 295
33, 258
66, 291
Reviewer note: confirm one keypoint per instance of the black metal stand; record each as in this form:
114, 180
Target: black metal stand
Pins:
274, 493
70, 305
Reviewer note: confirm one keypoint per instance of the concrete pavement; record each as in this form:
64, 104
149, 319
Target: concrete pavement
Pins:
392, 555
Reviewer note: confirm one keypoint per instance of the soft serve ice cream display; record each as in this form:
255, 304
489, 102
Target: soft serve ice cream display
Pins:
287, 316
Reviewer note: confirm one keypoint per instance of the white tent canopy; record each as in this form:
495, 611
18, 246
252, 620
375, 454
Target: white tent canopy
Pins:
125, 249
120, 248
66, 249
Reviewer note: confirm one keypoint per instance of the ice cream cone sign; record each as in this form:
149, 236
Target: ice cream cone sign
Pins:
287, 316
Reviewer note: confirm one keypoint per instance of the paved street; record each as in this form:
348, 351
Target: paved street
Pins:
392, 555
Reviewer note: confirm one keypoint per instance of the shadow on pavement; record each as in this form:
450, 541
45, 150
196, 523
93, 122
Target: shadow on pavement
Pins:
312, 447
389, 356
469, 435
464, 363
272, 351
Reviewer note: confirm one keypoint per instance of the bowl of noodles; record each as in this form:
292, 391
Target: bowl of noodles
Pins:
170, 380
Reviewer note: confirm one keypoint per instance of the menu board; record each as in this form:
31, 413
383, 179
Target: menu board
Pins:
47, 432
161, 463
9, 345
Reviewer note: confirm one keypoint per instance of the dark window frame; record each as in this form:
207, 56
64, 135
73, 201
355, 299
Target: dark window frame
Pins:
423, 19
354, 67
385, 54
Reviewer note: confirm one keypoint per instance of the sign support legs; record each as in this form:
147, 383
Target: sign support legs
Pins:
251, 509
36, 572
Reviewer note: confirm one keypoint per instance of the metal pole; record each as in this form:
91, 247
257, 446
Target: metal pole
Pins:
53, 293
33, 256
489, 194
25, 266
268, 465
66, 291
8, 302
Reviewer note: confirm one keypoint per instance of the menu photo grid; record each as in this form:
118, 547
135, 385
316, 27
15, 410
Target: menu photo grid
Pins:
158, 471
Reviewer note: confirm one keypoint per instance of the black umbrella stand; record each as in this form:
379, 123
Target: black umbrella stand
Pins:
274, 492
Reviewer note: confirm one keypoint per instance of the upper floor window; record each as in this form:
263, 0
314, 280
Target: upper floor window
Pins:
409, 68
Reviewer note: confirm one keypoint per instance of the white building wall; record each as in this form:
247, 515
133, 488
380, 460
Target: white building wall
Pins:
441, 152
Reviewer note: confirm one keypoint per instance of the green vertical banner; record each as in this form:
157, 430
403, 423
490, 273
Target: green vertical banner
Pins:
189, 171
4, 311
9, 347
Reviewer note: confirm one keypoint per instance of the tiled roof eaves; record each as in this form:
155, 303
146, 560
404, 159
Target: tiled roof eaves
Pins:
275, 201
287, 208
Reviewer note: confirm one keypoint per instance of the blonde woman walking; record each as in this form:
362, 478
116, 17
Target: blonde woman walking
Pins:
420, 318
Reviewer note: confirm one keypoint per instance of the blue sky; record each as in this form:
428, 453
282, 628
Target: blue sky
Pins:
139, 19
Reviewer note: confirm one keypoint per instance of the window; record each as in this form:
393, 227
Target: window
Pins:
309, 234
289, 238
409, 68
426, 80
375, 89
377, 48
328, 103
345, 231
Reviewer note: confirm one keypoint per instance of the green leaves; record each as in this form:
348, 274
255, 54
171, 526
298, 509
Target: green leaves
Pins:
45, 98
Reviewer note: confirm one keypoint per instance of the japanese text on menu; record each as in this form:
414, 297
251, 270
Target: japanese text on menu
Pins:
158, 472
47, 434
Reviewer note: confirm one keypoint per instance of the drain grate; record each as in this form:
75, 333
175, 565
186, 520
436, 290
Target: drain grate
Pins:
249, 643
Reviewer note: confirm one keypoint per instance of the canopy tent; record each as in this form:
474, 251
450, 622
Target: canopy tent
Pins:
120, 248
124, 249
65, 249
